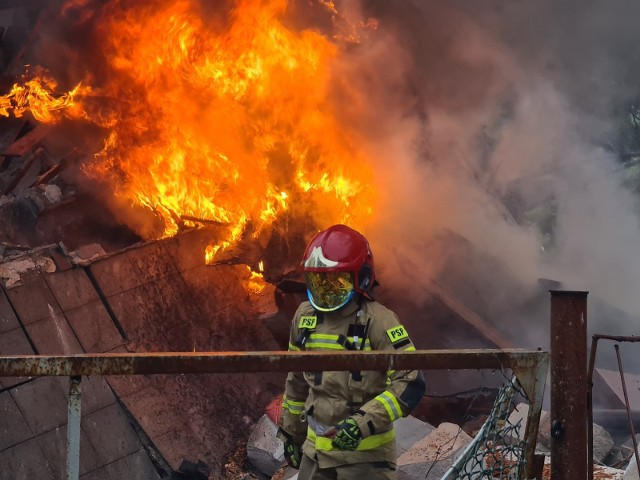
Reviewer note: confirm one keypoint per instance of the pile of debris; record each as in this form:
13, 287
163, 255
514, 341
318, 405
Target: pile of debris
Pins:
426, 452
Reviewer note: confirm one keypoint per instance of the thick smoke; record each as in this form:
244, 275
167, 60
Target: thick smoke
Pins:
492, 127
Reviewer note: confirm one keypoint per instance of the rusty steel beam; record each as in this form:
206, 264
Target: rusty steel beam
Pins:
237, 362
569, 385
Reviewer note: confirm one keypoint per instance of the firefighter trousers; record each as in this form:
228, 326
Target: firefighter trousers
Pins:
309, 470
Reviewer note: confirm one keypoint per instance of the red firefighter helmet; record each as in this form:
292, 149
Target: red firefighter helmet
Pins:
338, 263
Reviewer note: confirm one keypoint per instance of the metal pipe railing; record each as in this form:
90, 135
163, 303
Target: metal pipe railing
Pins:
592, 364
529, 366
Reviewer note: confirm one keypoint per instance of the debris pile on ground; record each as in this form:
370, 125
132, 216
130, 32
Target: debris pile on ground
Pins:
426, 452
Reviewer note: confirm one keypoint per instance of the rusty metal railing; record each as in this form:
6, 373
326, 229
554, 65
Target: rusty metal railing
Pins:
529, 366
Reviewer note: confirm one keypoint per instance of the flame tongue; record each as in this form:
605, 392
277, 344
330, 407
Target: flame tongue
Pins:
232, 124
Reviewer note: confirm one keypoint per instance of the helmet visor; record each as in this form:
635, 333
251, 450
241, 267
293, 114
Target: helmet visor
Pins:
329, 291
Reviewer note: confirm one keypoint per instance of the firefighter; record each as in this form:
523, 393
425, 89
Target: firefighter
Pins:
339, 425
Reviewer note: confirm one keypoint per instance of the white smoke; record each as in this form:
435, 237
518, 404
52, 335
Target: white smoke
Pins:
477, 118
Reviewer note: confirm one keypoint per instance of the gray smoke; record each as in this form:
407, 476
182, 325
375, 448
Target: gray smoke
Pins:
493, 129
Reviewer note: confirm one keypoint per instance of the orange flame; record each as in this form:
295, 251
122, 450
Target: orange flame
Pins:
37, 96
255, 283
235, 124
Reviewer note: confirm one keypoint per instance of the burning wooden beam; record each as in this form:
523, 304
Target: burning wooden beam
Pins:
207, 221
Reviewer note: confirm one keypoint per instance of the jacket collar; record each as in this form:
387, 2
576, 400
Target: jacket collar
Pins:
348, 310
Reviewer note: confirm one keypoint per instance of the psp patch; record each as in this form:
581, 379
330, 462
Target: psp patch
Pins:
397, 334
308, 321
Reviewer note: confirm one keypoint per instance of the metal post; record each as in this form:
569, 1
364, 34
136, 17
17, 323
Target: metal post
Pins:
592, 366
73, 428
569, 385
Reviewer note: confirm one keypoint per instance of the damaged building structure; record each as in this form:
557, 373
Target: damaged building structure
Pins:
75, 281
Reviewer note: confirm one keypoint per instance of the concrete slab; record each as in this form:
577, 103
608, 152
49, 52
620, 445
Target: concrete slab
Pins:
140, 310
54, 446
151, 262
115, 274
94, 328
71, 288
187, 250
136, 466
25, 461
264, 450
14, 342
612, 381
13, 427
111, 434
96, 394
100, 474
43, 403
178, 445
125, 385
228, 310
8, 319
33, 301
410, 430
154, 411
54, 336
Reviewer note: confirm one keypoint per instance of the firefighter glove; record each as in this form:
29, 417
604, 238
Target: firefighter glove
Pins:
348, 435
292, 450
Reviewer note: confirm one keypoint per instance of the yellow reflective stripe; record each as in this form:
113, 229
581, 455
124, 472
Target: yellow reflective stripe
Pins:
367, 344
328, 341
410, 348
332, 346
292, 405
323, 340
369, 443
391, 405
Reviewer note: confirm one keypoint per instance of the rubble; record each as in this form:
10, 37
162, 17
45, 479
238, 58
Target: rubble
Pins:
631, 473
430, 457
264, 450
602, 441
410, 430
10, 272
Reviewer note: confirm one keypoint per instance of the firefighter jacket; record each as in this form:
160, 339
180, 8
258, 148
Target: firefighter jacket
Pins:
314, 402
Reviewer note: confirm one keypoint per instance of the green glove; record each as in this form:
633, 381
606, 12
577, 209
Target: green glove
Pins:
348, 435
291, 450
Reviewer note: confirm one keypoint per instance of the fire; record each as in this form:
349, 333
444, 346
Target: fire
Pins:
229, 121
255, 283
36, 96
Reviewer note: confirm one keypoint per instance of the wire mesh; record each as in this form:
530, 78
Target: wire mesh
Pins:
497, 451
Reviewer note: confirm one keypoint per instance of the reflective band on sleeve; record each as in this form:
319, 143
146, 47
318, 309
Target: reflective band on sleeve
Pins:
369, 443
292, 347
295, 408
410, 349
391, 405
390, 374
